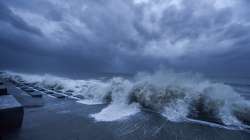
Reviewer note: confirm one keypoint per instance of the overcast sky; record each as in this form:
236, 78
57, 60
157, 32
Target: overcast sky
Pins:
126, 36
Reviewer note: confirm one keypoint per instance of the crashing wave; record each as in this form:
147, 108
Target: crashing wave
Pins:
177, 96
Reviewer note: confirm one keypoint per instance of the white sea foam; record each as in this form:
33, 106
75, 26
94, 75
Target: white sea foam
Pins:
116, 112
177, 96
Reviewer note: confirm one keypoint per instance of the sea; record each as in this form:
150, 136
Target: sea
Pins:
166, 103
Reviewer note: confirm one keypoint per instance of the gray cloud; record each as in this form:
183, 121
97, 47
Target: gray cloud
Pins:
124, 36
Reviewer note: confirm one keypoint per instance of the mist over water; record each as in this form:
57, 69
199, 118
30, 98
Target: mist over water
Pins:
176, 96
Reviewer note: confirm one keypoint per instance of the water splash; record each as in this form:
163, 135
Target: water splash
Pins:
177, 96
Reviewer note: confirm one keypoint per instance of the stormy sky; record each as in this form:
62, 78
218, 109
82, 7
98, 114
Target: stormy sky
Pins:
125, 36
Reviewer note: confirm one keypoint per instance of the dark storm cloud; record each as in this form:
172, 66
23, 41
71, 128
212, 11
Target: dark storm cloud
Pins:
124, 36
8, 16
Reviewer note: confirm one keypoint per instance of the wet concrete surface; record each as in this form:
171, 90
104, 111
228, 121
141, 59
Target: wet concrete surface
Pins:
50, 118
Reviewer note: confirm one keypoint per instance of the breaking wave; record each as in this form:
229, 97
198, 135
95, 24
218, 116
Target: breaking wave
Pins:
176, 96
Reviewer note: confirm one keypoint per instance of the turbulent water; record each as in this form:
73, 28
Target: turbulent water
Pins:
176, 96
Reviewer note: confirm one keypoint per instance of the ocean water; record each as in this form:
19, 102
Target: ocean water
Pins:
177, 97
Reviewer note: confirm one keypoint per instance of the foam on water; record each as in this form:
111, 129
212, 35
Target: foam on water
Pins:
89, 102
116, 112
177, 96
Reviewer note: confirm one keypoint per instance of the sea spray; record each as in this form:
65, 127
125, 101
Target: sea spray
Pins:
177, 96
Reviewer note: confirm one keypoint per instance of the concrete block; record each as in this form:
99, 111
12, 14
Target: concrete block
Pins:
3, 90
58, 95
79, 96
67, 93
40, 88
36, 94
11, 113
21, 86
70, 91
28, 89
49, 92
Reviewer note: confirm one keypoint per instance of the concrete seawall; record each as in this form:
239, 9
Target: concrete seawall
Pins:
52, 118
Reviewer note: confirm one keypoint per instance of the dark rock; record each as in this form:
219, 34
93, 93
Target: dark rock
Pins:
11, 113
3, 90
